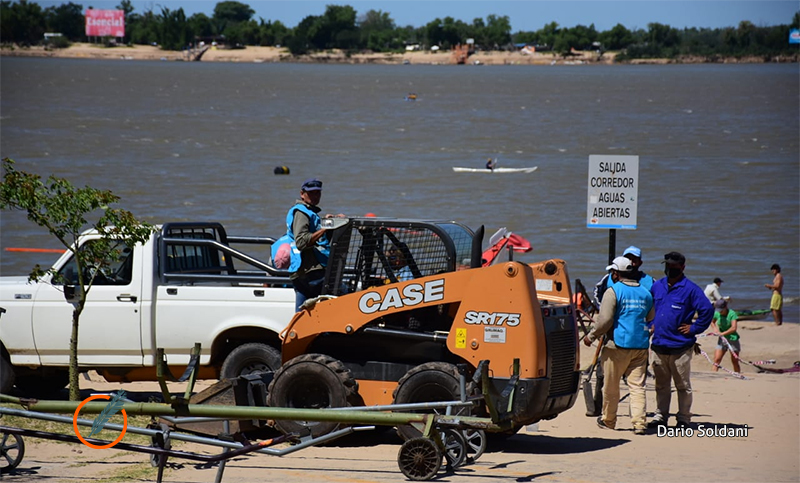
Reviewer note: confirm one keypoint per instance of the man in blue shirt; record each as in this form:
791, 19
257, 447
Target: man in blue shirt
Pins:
676, 300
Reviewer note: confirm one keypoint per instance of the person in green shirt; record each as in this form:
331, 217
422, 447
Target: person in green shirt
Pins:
724, 324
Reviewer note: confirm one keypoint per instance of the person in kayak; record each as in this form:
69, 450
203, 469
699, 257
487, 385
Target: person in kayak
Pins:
491, 163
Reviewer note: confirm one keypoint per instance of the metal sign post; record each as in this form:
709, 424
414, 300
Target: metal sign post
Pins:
613, 195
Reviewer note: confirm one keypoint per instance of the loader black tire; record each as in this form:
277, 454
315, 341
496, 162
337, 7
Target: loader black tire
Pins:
429, 382
315, 381
250, 358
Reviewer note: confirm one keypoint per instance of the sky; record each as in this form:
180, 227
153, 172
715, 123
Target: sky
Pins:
525, 15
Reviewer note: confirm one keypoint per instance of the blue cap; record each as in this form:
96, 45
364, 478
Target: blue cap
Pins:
312, 184
632, 250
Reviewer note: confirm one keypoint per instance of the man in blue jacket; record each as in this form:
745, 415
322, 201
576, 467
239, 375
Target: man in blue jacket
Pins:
676, 300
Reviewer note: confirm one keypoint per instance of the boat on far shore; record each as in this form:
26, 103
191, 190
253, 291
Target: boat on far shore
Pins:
495, 170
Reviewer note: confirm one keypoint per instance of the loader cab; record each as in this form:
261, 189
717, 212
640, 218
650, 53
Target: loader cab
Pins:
367, 252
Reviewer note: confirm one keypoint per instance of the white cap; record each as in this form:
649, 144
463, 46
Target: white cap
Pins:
620, 264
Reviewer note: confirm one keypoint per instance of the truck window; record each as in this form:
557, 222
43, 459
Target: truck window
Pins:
118, 272
193, 258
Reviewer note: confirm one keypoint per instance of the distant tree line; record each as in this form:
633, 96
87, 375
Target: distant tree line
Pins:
340, 27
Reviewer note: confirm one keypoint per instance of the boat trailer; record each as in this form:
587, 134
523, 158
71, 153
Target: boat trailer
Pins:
455, 438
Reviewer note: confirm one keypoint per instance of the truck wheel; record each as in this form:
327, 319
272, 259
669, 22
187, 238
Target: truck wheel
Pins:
250, 359
43, 385
429, 382
313, 381
6, 375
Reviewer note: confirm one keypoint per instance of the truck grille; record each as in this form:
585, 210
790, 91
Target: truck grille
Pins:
561, 347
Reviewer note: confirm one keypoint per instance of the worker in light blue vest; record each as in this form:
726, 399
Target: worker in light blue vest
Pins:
634, 254
626, 309
309, 243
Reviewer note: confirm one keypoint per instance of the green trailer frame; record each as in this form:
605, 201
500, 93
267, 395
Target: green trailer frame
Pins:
444, 436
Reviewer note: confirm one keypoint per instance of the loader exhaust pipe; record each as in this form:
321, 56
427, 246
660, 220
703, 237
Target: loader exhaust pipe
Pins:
477, 248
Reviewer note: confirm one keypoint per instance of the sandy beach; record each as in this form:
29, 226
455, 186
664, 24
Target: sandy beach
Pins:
569, 448
272, 54
252, 54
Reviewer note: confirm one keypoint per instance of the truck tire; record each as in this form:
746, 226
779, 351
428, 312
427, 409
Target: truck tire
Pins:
429, 382
43, 385
314, 381
6, 375
250, 358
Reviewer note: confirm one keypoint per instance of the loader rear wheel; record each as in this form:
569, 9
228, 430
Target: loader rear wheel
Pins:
429, 382
250, 358
315, 381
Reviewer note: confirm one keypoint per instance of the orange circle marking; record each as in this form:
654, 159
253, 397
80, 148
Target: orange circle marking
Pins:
78, 433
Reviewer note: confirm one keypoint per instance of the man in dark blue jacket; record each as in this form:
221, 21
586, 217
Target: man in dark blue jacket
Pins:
676, 300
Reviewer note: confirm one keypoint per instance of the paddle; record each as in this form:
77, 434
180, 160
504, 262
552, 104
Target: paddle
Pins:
588, 396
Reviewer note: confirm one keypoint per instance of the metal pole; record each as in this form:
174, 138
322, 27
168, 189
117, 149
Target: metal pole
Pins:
186, 437
612, 244
245, 412
226, 427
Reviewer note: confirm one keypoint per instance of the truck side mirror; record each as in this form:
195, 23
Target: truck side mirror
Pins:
69, 292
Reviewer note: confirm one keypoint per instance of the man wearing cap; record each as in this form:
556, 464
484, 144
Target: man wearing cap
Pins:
310, 245
634, 254
677, 299
712, 291
725, 325
626, 309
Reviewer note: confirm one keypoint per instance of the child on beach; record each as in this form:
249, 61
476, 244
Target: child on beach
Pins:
725, 324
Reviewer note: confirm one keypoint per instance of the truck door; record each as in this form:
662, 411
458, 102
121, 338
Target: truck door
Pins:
109, 333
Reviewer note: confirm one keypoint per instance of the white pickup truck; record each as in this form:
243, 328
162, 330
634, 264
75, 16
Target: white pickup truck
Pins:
186, 284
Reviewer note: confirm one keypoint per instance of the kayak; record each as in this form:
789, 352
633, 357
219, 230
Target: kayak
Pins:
495, 170
752, 314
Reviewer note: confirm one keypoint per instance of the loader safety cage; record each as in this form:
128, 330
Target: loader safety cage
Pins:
367, 252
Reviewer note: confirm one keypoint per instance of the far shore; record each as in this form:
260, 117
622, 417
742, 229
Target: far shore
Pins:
273, 54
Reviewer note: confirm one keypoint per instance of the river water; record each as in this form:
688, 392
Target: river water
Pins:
718, 147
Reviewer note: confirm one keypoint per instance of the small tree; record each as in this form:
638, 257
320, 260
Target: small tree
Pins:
63, 210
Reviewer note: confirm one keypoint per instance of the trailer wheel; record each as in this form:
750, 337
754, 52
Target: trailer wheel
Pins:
476, 442
455, 448
429, 382
314, 381
250, 358
419, 459
11, 452
6, 374
160, 440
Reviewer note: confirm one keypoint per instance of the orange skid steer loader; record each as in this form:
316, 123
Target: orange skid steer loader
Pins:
407, 304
